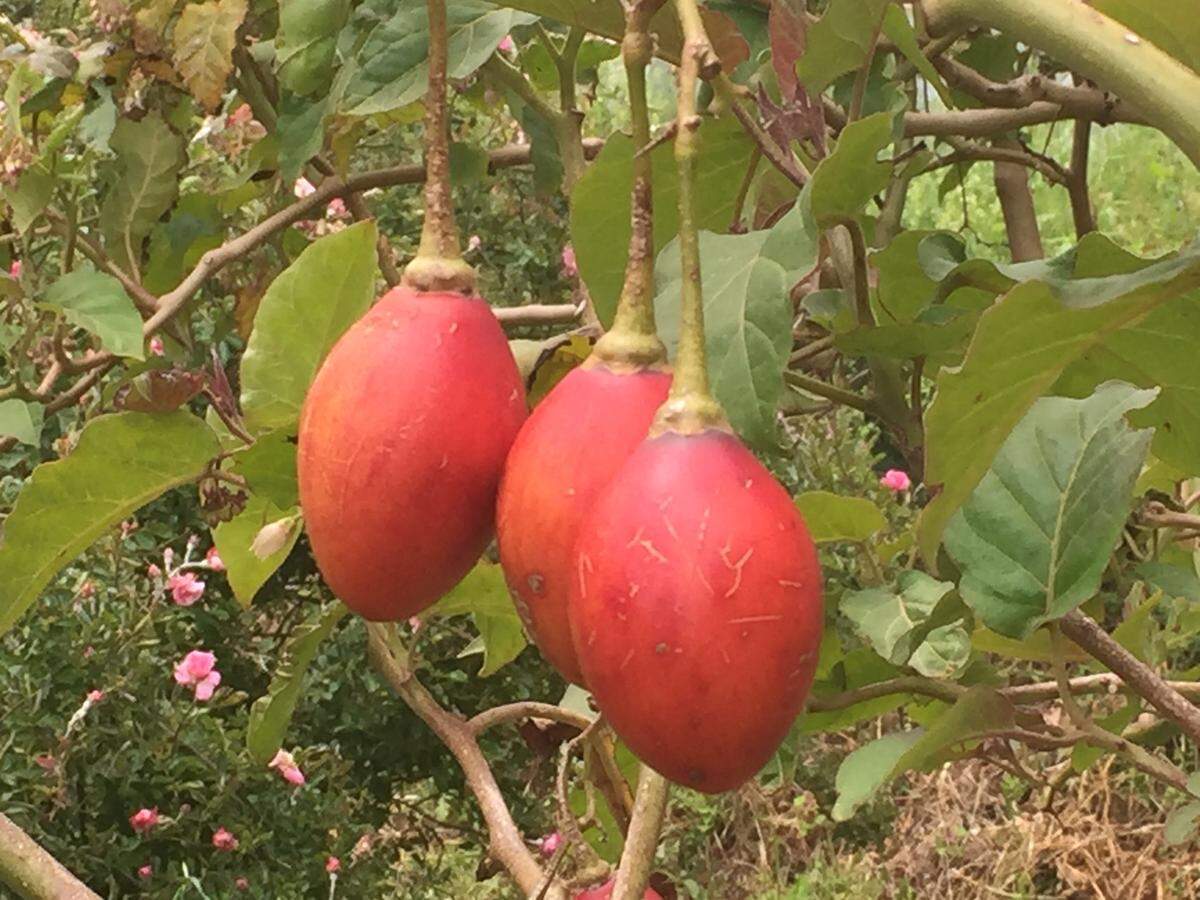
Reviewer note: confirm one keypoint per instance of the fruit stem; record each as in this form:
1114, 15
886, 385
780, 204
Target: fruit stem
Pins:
633, 339
439, 265
637, 859
690, 408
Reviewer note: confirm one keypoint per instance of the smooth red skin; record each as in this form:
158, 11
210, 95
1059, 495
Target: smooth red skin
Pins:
403, 438
604, 892
574, 442
696, 610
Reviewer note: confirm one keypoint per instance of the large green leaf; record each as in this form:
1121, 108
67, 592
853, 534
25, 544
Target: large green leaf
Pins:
303, 313
600, 203
892, 620
831, 517
1034, 537
1023, 344
121, 462
839, 42
748, 317
848, 177
865, 770
96, 302
195, 227
144, 182
307, 41
944, 653
269, 467
21, 420
246, 571
29, 196
392, 69
1170, 24
272, 712
484, 596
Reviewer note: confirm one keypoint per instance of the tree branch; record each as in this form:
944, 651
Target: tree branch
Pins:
637, 859
32, 872
1077, 179
528, 709
1011, 180
1139, 677
505, 843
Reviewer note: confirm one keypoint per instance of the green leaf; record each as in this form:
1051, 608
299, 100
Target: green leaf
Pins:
484, 596
830, 517
144, 181
234, 539
904, 288
864, 771
600, 203
392, 69
748, 326
195, 227
22, 420
1054, 322
851, 175
306, 43
1172, 26
892, 621
1084, 754
1180, 826
976, 713
301, 133
1174, 581
1034, 537
839, 42
897, 27
122, 462
303, 313
272, 713
204, 38
30, 196
269, 467
1035, 648
96, 302
96, 127
944, 653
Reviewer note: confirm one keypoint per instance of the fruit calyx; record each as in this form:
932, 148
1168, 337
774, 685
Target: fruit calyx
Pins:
437, 274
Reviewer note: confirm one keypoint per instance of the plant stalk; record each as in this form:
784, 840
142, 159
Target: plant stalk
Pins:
637, 859
439, 265
1159, 86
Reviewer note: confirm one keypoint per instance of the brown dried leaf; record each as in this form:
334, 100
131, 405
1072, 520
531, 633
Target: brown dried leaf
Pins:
725, 38
204, 40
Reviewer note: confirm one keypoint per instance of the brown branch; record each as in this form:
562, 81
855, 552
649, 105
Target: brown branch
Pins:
1139, 677
1001, 151
637, 859
538, 314
32, 872
505, 843
528, 709
1011, 180
781, 158
1077, 179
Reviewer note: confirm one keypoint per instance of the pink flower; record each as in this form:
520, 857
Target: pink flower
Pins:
224, 840
88, 651
896, 480
198, 669
242, 884
286, 764
145, 871
214, 560
157, 347
333, 864
186, 589
87, 590
153, 571
506, 45
337, 209
168, 557
46, 761
15, 269
303, 187
474, 242
240, 115
550, 843
570, 269
144, 819
414, 622
95, 696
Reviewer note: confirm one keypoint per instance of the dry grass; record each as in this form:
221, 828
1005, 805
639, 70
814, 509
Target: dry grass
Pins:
957, 837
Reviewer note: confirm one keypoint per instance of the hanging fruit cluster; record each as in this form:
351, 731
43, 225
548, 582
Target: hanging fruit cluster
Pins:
654, 560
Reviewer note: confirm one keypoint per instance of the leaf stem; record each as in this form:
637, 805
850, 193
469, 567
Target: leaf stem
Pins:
439, 265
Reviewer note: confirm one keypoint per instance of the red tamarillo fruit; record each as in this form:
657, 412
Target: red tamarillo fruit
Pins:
604, 892
570, 448
696, 610
403, 438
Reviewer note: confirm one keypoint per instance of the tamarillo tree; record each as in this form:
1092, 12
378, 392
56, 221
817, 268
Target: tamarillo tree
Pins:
741, 268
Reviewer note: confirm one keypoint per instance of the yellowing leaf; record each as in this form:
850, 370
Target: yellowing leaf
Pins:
204, 41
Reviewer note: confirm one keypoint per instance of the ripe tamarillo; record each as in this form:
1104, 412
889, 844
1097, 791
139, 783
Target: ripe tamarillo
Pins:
604, 892
403, 438
570, 448
696, 611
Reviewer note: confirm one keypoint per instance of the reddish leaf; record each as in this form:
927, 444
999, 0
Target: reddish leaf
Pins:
725, 38
159, 390
786, 28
